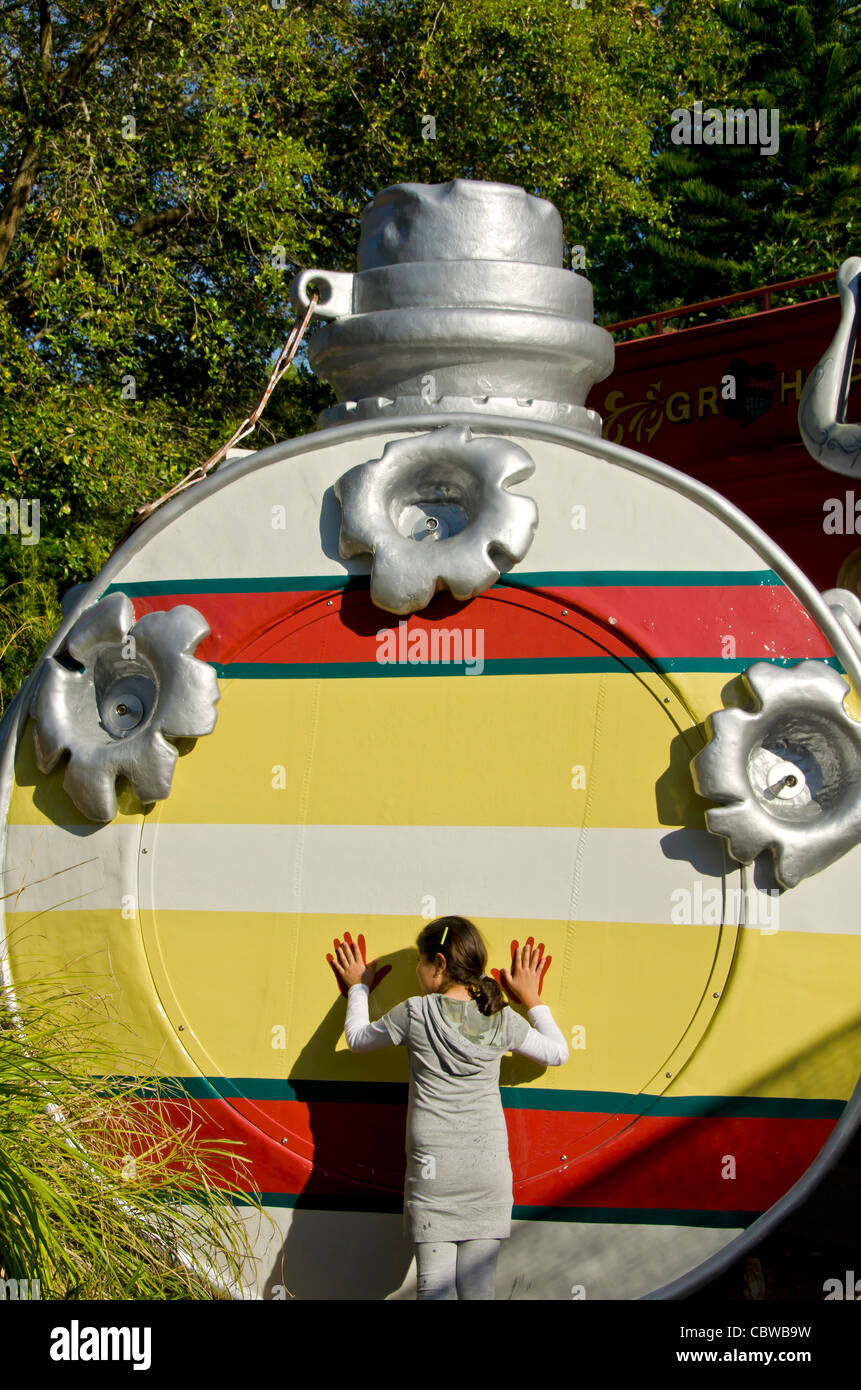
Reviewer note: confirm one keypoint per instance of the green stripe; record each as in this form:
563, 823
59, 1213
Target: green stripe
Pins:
275, 585
513, 666
375, 1200
716, 579
537, 579
513, 1098
637, 1216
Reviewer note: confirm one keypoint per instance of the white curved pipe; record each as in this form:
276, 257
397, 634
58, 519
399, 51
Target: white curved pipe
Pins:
822, 408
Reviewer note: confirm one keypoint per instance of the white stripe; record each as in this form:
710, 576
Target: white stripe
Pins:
69, 868
629, 522
505, 872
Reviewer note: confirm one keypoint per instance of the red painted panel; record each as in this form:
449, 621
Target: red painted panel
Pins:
659, 1164
669, 621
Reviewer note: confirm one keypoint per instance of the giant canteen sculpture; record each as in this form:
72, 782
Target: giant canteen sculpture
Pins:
253, 732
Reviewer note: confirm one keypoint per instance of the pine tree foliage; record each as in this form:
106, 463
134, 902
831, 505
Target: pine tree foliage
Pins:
744, 218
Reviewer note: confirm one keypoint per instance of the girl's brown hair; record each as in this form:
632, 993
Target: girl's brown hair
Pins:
465, 959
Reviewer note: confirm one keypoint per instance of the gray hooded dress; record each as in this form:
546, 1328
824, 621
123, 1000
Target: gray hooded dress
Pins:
458, 1180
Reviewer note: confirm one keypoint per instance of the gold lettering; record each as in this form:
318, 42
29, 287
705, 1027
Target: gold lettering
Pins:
686, 407
707, 398
793, 388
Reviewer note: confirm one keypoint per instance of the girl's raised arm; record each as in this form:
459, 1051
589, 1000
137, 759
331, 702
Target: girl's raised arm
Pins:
361, 1035
544, 1043
356, 979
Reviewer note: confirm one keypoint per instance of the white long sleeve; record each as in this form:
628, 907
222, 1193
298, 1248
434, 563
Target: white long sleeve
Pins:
361, 1035
544, 1042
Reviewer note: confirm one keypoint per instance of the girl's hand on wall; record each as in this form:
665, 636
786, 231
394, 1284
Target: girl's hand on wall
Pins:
529, 965
351, 967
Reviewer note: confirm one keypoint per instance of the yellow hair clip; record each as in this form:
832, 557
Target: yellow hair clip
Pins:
442, 938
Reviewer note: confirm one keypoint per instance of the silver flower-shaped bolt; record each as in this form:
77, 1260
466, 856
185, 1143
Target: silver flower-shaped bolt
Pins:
434, 512
789, 773
137, 686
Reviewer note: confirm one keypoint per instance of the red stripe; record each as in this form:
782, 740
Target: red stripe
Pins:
658, 1164
764, 621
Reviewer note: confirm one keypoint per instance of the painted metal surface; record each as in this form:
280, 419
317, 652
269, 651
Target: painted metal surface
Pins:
436, 511
460, 303
790, 771
827, 435
136, 687
354, 773
600, 657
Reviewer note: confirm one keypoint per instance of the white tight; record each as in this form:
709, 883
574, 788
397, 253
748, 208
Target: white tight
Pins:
468, 1266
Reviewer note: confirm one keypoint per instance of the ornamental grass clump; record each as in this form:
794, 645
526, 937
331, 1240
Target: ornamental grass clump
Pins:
106, 1189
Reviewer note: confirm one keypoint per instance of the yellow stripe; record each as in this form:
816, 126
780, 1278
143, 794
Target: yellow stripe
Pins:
787, 1024
432, 751
100, 958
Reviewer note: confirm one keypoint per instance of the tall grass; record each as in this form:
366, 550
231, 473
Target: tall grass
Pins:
105, 1195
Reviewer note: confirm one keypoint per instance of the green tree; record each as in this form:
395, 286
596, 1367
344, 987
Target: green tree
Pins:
148, 181
743, 218
167, 169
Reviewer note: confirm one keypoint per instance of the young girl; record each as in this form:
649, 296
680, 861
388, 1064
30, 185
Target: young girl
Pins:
458, 1191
